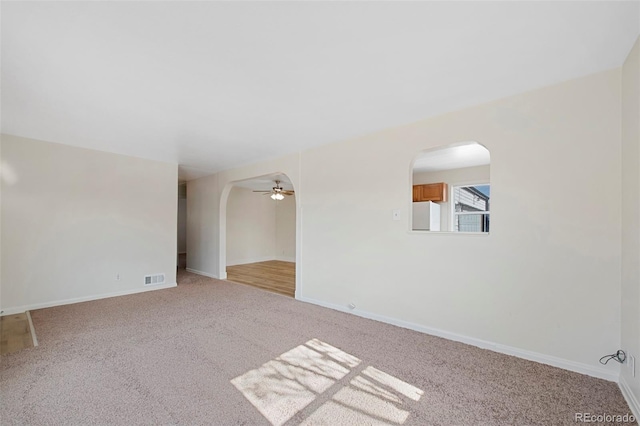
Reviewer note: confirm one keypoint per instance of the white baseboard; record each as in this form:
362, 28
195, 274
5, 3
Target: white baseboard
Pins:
553, 361
286, 258
630, 397
21, 309
250, 260
206, 274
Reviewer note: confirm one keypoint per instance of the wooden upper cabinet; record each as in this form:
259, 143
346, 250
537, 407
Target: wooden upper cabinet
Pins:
436, 192
417, 193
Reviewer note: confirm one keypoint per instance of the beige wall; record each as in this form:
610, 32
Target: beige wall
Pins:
631, 221
548, 273
259, 228
463, 176
203, 236
74, 219
251, 227
286, 229
546, 280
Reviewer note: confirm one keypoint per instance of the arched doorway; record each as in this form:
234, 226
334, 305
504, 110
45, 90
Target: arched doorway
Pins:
260, 233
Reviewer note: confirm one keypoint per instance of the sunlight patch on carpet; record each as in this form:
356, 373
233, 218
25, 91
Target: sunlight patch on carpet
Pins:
394, 383
284, 386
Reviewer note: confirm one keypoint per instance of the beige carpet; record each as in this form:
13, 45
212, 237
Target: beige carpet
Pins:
215, 353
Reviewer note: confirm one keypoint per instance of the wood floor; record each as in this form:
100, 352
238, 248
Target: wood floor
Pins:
15, 333
274, 275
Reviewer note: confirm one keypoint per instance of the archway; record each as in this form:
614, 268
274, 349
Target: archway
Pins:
259, 233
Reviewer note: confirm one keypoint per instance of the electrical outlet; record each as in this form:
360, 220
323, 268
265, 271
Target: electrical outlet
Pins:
118, 276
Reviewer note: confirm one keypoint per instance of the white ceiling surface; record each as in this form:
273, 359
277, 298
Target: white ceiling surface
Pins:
266, 183
453, 157
211, 86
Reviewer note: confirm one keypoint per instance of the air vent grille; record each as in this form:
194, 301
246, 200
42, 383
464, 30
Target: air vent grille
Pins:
154, 279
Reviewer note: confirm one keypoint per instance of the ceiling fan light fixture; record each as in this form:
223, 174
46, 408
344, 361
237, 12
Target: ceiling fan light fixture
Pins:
277, 193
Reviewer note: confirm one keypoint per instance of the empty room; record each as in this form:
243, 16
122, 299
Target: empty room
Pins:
320, 213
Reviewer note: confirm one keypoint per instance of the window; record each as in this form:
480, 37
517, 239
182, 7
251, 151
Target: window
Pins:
471, 208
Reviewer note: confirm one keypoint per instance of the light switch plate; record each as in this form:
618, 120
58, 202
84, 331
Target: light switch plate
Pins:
632, 365
396, 215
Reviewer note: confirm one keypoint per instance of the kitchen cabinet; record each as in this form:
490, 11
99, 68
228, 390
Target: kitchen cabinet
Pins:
436, 192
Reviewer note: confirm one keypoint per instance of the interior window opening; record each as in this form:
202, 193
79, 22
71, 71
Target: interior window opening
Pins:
451, 190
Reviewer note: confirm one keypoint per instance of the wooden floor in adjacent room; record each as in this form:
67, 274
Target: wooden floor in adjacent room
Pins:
273, 275
15, 333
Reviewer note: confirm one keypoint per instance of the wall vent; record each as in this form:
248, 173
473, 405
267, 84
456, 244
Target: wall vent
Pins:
154, 279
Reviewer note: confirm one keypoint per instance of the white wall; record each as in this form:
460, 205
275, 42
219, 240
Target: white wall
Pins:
259, 228
73, 219
549, 274
203, 237
631, 222
286, 229
251, 227
463, 176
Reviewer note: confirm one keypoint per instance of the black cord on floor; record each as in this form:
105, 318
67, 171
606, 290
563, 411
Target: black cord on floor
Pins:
619, 356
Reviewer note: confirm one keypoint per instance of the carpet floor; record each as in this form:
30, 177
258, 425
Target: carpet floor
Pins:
211, 352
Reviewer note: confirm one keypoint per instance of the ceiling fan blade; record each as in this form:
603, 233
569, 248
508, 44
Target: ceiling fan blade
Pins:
261, 191
287, 192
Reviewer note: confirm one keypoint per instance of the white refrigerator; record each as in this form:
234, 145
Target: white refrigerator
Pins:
426, 216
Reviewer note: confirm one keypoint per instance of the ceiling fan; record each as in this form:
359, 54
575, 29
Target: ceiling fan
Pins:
277, 192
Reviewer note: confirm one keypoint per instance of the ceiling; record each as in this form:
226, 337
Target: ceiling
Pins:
452, 157
215, 85
266, 183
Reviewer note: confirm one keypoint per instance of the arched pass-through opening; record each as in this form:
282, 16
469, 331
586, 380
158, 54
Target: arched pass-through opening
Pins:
259, 243
451, 189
